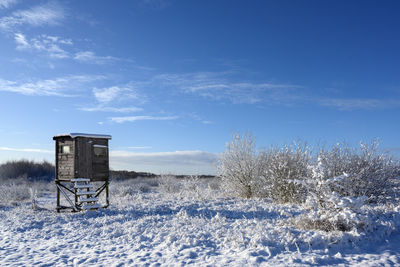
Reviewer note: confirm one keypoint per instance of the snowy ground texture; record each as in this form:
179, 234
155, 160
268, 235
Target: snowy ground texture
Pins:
175, 223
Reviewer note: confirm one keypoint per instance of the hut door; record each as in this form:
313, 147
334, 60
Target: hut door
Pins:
87, 169
100, 162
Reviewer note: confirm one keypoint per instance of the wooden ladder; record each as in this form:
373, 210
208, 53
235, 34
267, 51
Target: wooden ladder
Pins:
85, 197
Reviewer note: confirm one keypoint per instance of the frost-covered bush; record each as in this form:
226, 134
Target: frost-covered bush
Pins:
169, 184
363, 172
13, 193
327, 210
239, 166
190, 187
284, 172
273, 172
291, 174
342, 181
338, 214
18, 191
132, 187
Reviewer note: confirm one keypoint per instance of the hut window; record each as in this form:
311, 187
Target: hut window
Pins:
65, 149
99, 150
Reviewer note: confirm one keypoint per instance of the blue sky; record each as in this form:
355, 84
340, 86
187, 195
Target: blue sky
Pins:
171, 81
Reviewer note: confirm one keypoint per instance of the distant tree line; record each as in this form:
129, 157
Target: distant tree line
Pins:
46, 171
27, 169
130, 174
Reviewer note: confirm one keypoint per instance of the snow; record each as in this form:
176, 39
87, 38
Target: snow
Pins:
176, 222
74, 135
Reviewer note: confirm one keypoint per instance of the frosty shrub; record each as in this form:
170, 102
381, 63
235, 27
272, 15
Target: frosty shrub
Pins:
358, 172
275, 173
144, 188
284, 172
328, 210
239, 166
19, 190
189, 187
292, 174
169, 184
342, 181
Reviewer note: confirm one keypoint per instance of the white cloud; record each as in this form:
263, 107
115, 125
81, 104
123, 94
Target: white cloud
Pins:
354, 103
21, 41
47, 14
50, 87
199, 118
90, 57
141, 118
49, 45
55, 47
7, 3
220, 86
108, 94
179, 162
2, 148
223, 86
111, 109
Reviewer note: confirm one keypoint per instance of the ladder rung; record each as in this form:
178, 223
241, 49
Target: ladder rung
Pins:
88, 207
89, 199
83, 193
79, 186
80, 180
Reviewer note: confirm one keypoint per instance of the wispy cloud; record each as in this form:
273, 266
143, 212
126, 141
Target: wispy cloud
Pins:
117, 99
111, 109
21, 41
196, 117
141, 118
91, 58
57, 47
7, 3
357, 104
108, 94
220, 86
47, 14
50, 45
50, 87
225, 86
2, 148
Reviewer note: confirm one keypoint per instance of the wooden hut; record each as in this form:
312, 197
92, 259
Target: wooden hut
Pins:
80, 160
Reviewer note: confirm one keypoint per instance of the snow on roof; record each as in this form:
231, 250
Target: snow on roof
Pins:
74, 135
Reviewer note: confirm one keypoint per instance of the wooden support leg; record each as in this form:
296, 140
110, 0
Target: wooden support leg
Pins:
76, 197
58, 198
107, 195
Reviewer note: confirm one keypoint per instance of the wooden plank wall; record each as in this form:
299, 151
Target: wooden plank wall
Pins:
65, 161
87, 165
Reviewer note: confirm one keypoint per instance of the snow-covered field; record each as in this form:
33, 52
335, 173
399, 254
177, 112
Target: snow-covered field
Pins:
177, 222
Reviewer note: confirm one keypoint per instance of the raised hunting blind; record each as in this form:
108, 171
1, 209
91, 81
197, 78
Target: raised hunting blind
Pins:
81, 162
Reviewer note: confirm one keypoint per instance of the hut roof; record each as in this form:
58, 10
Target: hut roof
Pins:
74, 135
